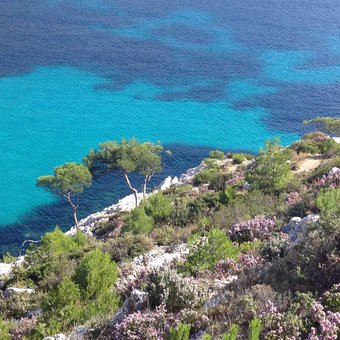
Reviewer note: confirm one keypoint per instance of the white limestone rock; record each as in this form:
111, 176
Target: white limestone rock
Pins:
166, 184
135, 302
58, 336
6, 268
297, 226
14, 291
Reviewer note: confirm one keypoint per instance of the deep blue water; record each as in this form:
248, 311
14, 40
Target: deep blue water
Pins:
195, 75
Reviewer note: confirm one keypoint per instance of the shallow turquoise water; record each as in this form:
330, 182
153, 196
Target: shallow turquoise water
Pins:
62, 115
193, 74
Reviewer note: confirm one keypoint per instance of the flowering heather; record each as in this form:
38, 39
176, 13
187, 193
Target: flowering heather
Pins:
23, 327
257, 228
316, 136
236, 179
293, 198
331, 180
269, 309
230, 267
329, 324
145, 325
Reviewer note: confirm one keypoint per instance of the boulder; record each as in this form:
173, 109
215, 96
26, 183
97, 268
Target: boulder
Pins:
6, 268
14, 291
297, 226
58, 336
135, 302
166, 184
174, 181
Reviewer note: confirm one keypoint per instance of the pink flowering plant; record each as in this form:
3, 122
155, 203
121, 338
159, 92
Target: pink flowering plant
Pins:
328, 324
293, 198
258, 228
146, 325
229, 266
330, 180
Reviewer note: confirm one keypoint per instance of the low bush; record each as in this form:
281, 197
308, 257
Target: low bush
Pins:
238, 158
331, 298
49, 262
138, 221
271, 173
206, 176
216, 154
127, 246
316, 143
181, 332
4, 330
173, 291
205, 252
255, 229
327, 202
158, 207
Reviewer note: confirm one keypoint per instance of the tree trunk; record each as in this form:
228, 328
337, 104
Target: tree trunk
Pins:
144, 187
75, 218
146, 180
74, 207
134, 191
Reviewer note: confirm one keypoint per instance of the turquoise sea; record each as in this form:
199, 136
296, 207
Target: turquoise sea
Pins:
194, 75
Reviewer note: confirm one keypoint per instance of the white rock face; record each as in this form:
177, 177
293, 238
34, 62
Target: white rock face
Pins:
190, 174
134, 303
125, 204
297, 226
157, 258
175, 181
59, 336
14, 291
6, 268
166, 184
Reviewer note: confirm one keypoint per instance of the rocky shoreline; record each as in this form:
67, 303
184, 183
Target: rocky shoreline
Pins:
127, 203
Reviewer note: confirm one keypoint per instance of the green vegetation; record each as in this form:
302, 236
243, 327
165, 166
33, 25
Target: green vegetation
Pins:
328, 124
218, 256
207, 251
232, 334
216, 154
69, 181
181, 332
272, 169
128, 156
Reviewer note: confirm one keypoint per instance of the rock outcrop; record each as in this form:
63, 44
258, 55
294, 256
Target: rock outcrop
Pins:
297, 226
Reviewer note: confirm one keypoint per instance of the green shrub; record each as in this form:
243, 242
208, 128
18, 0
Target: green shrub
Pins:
4, 330
216, 154
238, 158
272, 170
181, 332
331, 298
207, 251
62, 306
139, 222
128, 245
232, 334
316, 142
47, 263
305, 146
327, 202
8, 258
206, 176
173, 291
227, 195
255, 329
158, 207
95, 274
